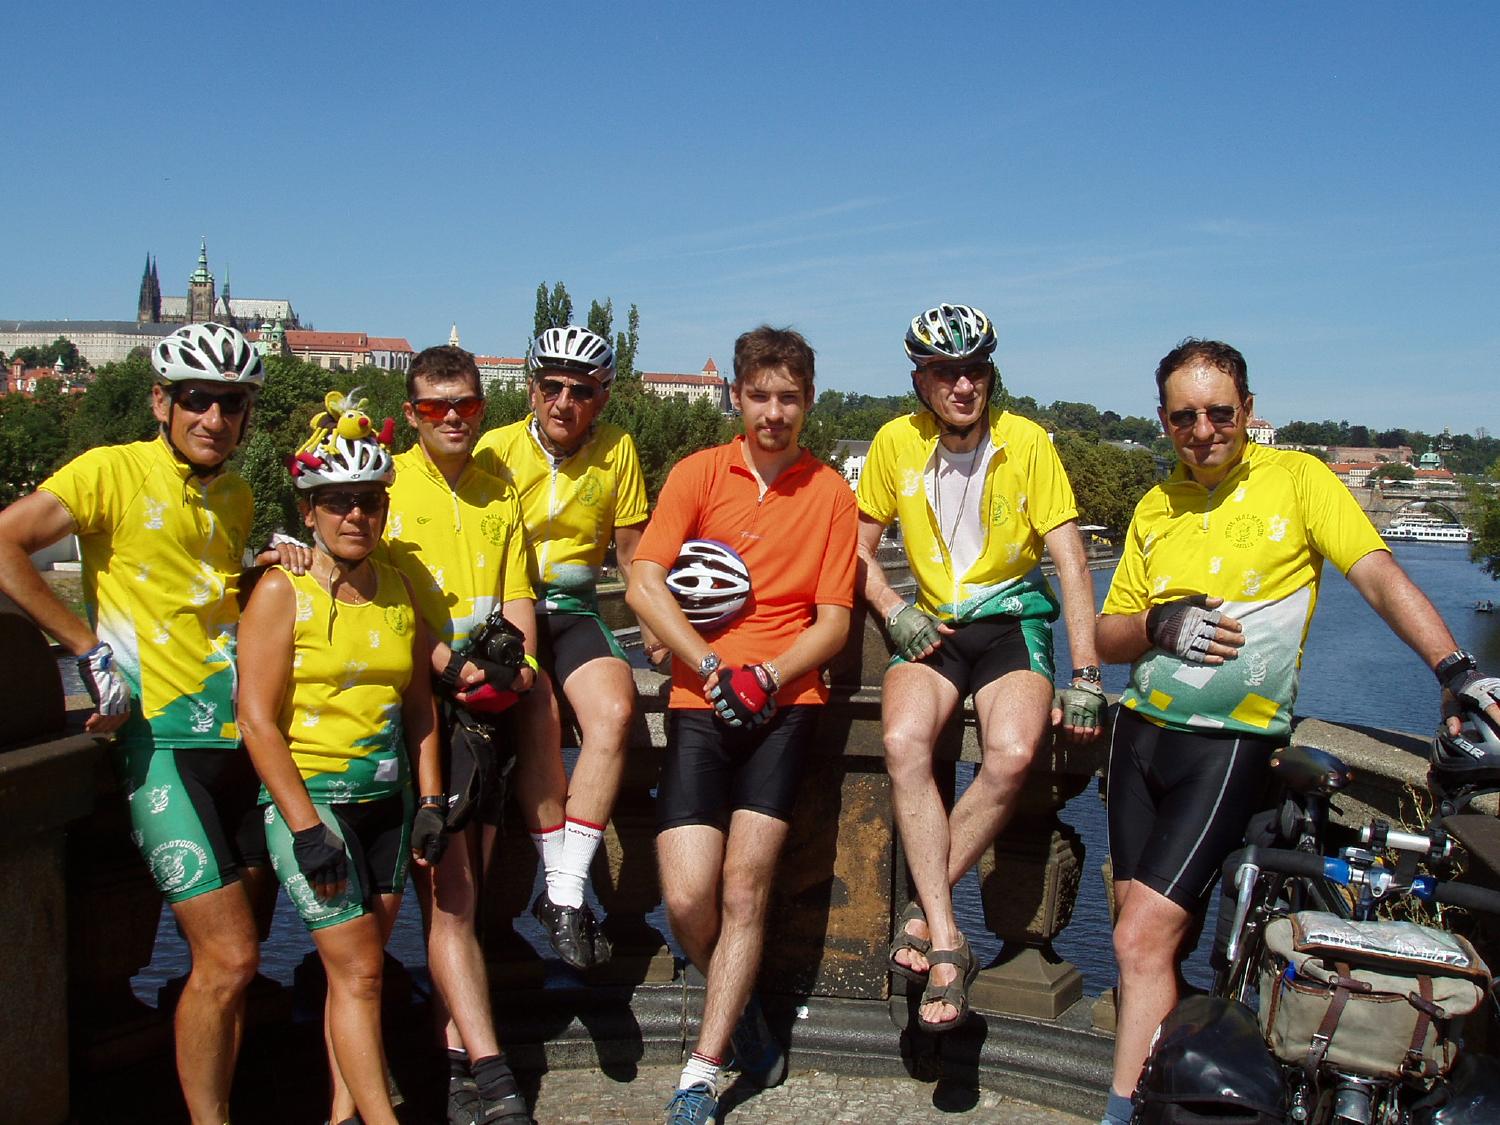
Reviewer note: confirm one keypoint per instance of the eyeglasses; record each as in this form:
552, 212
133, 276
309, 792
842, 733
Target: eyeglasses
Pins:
1218, 415
553, 388
340, 502
436, 409
951, 373
201, 401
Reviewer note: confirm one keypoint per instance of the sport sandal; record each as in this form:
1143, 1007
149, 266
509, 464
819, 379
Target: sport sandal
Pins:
910, 942
955, 994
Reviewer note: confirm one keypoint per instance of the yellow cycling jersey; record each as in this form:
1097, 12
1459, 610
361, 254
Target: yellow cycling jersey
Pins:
460, 548
162, 551
1026, 495
341, 715
571, 506
1258, 540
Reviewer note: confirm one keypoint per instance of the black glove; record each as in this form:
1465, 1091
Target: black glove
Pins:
744, 697
1185, 627
320, 855
428, 840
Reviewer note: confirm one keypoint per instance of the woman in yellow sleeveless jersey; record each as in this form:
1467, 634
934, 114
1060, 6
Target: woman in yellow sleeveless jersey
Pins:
336, 709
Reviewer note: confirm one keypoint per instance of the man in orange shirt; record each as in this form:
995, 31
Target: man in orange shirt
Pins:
745, 691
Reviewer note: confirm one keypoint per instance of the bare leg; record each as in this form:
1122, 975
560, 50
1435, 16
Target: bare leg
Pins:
353, 956
1148, 935
453, 951
602, 695
221, 934
540, 780
743, 883
916, 704
1015, 713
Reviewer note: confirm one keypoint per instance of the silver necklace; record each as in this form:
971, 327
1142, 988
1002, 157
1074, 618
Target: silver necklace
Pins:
963, 498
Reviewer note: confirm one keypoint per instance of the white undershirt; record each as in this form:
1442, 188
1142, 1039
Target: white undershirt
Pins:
957, 496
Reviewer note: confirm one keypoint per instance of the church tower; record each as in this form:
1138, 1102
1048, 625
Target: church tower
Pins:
224, 313
148, 305
200, 299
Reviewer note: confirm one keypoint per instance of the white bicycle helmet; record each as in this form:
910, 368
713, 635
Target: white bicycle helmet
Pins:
213, 353
344, 448
710, 582
949, 332
574, 350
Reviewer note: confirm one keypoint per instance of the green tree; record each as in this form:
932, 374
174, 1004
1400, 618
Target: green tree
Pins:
601, 320
626, 344
33, 438
553, 310
1484, 518
1393, 470
48, 355
1107, 482
116, 407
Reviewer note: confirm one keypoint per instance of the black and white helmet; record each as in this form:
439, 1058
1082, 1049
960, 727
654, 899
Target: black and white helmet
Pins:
949, 332
345, 460
1469, 759
574, 350
214, 353
710, 582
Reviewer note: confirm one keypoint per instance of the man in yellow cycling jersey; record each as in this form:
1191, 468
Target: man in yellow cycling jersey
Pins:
978, 492
455, 531
581, 488
1210, 605
163, 527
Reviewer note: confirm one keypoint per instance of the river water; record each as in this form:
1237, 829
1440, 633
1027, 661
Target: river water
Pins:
1354, 671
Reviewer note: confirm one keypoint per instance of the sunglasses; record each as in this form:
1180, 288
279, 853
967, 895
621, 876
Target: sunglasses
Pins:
950, 373
436, 409
553, 388
340, 501
200, 401
1217, 415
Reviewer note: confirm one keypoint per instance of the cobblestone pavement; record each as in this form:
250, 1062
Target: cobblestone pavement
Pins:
590, 1097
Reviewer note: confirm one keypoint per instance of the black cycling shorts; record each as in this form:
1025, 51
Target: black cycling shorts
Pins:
194, 816
712, 769
568, 641
377, 842
980, 652
1179, 802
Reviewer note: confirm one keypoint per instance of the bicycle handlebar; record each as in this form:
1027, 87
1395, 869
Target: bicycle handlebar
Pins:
1288, 861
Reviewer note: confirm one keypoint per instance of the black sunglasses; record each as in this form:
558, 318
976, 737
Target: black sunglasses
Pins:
950, 373
1219, 415
342, 501
201, 401
553, 388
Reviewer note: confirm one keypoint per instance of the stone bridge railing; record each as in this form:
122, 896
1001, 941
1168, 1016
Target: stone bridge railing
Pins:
81, 912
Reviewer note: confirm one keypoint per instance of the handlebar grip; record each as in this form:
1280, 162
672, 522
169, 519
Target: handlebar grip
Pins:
1287, 861
1467, 895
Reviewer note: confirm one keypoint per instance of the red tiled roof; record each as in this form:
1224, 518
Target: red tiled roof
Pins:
499, 361
1434, 474
664, 377
710, 366
1347, 466
327, 341
389, 344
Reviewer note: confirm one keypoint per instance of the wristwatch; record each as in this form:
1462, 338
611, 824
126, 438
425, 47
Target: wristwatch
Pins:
1089, 673
709, 665
1454, 663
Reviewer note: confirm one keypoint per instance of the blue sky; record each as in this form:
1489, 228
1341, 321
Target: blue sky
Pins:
1317, 184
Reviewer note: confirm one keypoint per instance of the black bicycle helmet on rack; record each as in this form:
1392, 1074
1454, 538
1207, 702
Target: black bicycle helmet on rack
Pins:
1467, 761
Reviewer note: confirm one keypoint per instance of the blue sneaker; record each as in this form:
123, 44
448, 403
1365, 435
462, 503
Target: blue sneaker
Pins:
758, 1056
696, 1105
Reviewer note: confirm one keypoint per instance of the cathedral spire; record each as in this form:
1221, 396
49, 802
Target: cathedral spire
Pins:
453, 336
148, 303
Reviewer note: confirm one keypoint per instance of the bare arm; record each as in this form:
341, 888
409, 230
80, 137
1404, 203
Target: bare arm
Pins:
1401, 605
419, 722
627, 539
31, 524
657, 610
816, 645
1066, 548
869, 575
1121, 637
265, 666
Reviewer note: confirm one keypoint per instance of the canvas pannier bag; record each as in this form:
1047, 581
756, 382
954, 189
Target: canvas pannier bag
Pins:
1373, 998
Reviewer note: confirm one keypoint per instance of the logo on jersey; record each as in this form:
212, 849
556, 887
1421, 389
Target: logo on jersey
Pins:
398, 618
911, 482
156, 510
589, 492
1278, 529
999, 511
1245, 530
397, 524
159, 797
492, 527
177, 865
203, 715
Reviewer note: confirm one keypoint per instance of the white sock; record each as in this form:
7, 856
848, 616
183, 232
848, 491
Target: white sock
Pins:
549, 845
580, 842
701, 1070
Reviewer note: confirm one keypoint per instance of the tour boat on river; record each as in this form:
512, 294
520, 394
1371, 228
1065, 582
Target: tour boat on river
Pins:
1422, 528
